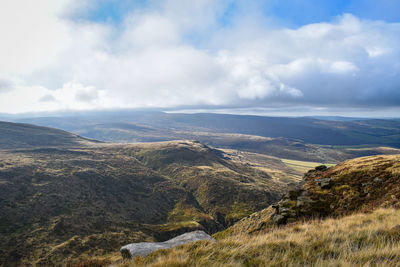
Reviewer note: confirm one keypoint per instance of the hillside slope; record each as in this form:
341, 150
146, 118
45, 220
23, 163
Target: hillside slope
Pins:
226, 189
358, 185
371, 239
64, 204
19, 135
347, 215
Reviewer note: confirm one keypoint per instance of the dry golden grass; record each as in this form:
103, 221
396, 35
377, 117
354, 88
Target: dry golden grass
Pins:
358, 240
369, 164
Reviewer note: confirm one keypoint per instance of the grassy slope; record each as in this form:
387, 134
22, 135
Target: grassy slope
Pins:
361, 184
358, 240
364, 239
62, 204
226, 189
58, 203
273, 166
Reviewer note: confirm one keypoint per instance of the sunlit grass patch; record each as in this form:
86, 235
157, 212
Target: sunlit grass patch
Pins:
356, 240
303, 166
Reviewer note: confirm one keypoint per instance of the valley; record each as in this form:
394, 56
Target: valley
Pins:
83, 198
222, 133
67, 199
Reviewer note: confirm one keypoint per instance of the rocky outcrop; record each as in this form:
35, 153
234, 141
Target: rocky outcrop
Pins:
145, 248
293, 205
358, 185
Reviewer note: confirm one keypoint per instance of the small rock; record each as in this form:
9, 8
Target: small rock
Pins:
278, 219
145, 248
284, 211
292, 213
323, 182
303, 200
285, 201
321, 168
377, 180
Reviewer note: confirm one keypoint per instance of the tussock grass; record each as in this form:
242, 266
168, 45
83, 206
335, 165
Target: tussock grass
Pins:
358, 240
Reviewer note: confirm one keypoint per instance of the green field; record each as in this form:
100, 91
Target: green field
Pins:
303, 166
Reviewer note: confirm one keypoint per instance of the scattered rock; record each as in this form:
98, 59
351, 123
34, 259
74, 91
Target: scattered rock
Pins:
284, 210
323, 182
145, 248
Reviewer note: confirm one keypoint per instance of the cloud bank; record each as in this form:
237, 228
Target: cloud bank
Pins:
176, 54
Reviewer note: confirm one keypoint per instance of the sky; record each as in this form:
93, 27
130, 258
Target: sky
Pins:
333, 57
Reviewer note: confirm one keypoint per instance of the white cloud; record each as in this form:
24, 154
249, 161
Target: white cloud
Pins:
71, 96
342, 67
150, 61
31, 34
5, 86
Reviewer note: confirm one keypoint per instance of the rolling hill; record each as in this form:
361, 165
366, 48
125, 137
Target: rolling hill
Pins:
82, 199
65, 198
19, 135
131, 126
307, 139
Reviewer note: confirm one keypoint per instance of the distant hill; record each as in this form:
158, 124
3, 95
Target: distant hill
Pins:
61, 204
19, 135
159, 126
358, 185
306, 139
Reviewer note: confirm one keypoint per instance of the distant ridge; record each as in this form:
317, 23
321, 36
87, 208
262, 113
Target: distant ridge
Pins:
21, 135
117, 126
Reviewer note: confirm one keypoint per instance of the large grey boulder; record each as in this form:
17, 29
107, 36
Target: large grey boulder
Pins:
145, 248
